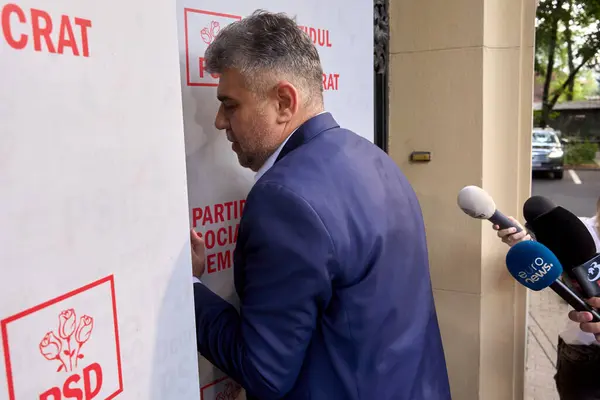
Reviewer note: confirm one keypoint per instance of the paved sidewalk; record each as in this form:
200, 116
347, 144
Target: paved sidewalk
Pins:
547, 318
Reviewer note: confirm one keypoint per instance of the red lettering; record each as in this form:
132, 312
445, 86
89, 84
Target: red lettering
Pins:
219, 208
66, 38
210, 262
91, 387
320, 37
208, 218
222, 236
42, 31
217, 213
202, 68
7, 10
224, 260
39, 32
331, 81
84, 24
87, 382
219, 261
209, 239
228, 205
196, 216
54, 392
72, 393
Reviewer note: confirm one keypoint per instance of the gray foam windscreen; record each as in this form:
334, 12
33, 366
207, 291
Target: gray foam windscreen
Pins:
476, 202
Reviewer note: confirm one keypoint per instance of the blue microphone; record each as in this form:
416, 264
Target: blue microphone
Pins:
534, 266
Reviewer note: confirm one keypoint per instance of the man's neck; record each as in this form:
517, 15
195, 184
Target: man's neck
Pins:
294, 124
270, 160
299, 121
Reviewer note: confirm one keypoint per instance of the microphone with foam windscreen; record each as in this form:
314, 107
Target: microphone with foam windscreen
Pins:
477, 203
537, 206
534, 266
568, 238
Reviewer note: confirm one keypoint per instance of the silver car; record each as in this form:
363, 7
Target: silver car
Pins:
547, 153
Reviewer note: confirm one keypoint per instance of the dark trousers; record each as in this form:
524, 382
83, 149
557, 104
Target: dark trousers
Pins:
578, 372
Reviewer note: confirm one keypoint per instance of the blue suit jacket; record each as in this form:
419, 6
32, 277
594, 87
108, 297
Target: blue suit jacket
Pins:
332, 273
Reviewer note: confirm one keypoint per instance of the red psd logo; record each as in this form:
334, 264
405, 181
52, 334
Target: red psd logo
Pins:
201, 27
70, 345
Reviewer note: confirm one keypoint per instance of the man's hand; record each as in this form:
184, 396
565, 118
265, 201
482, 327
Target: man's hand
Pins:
509, 236
584, 318
198, 258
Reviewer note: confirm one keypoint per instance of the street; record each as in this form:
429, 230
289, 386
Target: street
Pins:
578, 192
579, 198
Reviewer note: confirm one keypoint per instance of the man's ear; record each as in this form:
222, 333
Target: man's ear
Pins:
287, 101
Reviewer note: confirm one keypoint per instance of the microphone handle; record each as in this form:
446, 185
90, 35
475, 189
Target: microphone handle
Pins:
589, 288
503, 221
573, 299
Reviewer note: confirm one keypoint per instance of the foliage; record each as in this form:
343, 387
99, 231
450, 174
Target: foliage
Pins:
581, 153
567, 47
585, 85
537, 117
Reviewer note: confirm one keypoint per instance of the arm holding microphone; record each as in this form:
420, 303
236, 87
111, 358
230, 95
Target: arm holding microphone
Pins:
511, 236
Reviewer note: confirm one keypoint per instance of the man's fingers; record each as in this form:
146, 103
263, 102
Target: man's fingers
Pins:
591, 327
594, 302
580, 316
195, 258
196, 239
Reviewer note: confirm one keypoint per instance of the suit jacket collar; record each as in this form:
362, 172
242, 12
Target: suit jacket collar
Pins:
307, 131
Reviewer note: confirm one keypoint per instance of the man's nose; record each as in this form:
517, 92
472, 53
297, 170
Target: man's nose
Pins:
221, 122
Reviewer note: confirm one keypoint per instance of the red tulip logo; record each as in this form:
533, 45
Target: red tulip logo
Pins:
66, 323
208, 34
215, 27
59, 348
50, 346
84, 329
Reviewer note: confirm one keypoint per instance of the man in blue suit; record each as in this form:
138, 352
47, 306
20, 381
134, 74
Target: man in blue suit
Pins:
331, 260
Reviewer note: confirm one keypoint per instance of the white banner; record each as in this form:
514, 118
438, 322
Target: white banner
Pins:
217, 185
96, 295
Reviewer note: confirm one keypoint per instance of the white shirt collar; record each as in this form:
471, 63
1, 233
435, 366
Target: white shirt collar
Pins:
271, 160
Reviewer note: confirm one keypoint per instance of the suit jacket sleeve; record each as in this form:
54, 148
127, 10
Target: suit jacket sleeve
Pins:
285, 284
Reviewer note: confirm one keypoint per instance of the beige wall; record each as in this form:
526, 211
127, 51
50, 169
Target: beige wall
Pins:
461, 77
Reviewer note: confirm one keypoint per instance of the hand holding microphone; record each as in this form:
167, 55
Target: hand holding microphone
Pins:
511, 236
534, 266
585, 319
569, 239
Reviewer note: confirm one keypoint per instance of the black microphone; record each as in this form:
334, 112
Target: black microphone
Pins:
568, 238
533, 265
536, 206
477, 203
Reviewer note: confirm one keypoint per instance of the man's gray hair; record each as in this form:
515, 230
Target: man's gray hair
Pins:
265, 47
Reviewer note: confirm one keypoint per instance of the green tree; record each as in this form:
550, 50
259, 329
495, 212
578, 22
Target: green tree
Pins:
569, 28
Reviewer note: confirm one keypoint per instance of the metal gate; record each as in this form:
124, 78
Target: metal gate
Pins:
380, 76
